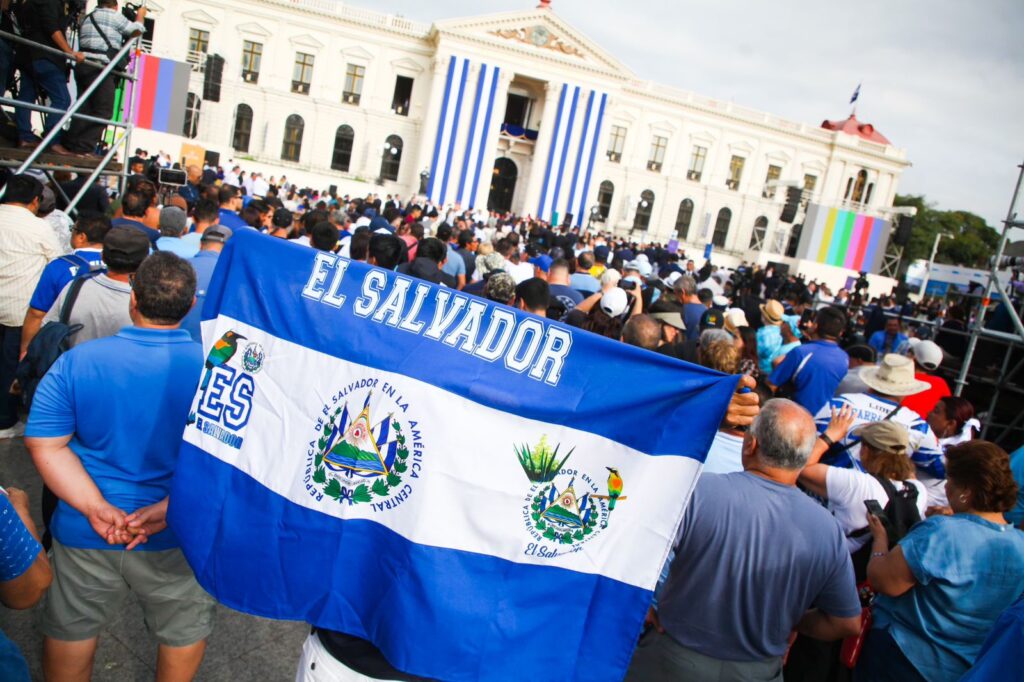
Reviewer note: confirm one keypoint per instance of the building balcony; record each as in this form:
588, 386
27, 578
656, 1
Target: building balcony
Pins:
518, 132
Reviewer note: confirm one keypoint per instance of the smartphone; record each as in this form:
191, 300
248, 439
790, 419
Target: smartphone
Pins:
874, 508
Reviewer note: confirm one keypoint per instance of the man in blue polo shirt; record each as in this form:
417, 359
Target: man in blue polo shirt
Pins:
817, 367
230, 204
138, 209
204, 264
102, 432
87, 241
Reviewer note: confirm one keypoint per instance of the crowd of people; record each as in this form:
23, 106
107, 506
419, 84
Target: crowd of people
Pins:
848, 521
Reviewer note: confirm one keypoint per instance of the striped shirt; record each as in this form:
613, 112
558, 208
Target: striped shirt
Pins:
924, 446
114, 26
27, 244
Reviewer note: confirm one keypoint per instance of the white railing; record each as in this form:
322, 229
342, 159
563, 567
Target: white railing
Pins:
356, 14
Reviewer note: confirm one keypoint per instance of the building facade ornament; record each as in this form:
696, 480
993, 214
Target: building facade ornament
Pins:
538, 36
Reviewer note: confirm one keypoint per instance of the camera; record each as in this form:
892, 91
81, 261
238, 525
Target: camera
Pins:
129, 10
627, 284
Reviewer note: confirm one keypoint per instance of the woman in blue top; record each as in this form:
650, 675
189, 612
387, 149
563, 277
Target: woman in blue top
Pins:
946, 582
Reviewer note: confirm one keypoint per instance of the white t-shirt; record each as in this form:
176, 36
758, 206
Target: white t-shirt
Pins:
848, 489
725, 455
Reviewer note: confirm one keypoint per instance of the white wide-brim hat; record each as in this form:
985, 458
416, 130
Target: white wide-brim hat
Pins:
893, 376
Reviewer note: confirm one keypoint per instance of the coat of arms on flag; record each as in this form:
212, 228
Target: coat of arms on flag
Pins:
361, 458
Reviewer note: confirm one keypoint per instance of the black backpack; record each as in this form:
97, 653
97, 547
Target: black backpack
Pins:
50, 343
901, 514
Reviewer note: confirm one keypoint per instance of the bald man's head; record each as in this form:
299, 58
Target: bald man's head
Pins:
643, 331
195, 174
784, 433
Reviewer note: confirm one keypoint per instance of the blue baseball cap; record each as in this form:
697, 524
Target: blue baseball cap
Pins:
543, 261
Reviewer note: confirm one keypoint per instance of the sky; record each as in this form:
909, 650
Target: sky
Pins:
943, 79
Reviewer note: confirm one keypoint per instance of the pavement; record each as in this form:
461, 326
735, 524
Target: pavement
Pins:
241, 648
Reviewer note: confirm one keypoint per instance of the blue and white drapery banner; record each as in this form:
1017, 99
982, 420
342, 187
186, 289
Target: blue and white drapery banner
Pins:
573, 149
481, 493
463, 132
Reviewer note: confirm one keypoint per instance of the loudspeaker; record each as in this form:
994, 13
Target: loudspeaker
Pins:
904, 226
214, 74
793, 197
333, 191
781, 269
212, 159
567, 220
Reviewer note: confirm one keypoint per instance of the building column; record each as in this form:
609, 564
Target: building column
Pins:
489, 151
428, 128
542, 150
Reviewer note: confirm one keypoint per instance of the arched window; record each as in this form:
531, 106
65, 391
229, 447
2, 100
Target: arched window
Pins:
721, 228
243, 128
867, 195
192, 103
643, 210
858, 187
849, 188
604, 199
391, 158
342, 148
291, 147
683, 218
759, 233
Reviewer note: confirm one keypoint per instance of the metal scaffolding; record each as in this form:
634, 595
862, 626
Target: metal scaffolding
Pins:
1009, 341
72, 164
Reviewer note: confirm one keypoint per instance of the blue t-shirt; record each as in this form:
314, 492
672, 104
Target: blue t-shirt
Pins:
585, 282
567, 296
455, 266
769, 343
178, 246
18, 549
124, 399
1000, 658
1016, 515
692, 312
815, 368
752, 556
58, 273
203, 263
231, 220
968, 570
133, 224
882, 345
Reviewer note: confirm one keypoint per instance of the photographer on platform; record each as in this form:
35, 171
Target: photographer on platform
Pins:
102, 35
45, 22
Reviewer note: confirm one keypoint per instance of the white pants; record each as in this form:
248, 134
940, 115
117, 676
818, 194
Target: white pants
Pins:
317, 665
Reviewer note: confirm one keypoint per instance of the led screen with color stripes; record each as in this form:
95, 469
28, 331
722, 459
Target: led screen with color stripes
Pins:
843, 238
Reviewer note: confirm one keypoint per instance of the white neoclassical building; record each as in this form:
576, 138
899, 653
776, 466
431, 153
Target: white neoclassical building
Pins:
507, 111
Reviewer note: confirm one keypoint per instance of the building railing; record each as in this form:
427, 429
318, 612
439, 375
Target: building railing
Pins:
332, 8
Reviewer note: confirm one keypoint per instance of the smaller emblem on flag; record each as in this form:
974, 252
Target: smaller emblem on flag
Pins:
565, 507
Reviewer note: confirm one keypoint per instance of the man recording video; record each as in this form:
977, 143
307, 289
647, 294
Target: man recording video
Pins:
101, 36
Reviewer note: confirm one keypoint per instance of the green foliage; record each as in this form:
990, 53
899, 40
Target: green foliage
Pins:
394, 479
320, 475
361, 493
971, 244
333, 489
400, 466
541, 463
380, 487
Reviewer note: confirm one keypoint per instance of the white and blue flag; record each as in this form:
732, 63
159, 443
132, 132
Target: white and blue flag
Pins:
481, 493
856, 94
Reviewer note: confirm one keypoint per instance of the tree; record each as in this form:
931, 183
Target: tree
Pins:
972, 244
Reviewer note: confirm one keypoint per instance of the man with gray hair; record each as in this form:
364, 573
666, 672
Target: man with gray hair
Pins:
173, 222
685, 290
755, 559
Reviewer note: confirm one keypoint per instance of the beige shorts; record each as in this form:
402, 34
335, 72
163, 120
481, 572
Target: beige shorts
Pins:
90, 585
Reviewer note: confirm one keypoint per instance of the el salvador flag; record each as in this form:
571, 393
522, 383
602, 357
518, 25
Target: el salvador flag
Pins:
481, 493
856, 94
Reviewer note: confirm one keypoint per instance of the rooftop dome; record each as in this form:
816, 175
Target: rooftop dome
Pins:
852, 126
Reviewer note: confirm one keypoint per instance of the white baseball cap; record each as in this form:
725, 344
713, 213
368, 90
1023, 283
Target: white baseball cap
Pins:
614, 302
927, 353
